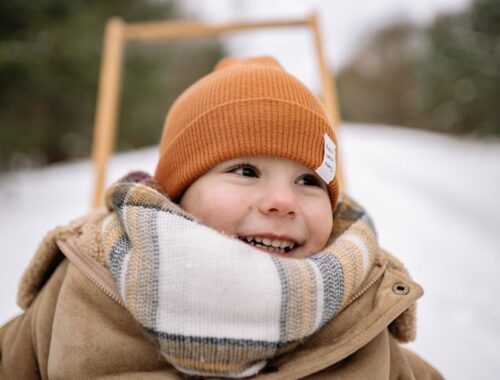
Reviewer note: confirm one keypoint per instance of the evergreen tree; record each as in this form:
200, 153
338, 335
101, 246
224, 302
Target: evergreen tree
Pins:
445, 77
50, 54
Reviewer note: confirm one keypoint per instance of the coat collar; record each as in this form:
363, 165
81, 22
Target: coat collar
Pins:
387, 300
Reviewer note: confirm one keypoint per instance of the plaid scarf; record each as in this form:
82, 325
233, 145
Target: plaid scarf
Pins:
215, 305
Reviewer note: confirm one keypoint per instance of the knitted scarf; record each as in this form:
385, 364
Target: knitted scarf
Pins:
215, 305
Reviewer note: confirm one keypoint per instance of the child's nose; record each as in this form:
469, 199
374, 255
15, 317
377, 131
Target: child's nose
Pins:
278, 200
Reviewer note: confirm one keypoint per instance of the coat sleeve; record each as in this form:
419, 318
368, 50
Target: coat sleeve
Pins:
25, 340
94, 337
75, 331
382, 359
421, 369
407, 364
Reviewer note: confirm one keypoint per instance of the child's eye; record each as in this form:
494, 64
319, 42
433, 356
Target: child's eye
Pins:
245, 170
309, 180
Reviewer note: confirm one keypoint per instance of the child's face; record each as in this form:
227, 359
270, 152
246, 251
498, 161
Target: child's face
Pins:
264, 201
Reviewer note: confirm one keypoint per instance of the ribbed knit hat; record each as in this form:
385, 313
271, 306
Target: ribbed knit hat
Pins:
245, 107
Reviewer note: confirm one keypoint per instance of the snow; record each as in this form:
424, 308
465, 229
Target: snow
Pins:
434, 200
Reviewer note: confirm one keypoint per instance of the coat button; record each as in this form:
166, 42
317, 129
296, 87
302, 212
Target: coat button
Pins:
400, 289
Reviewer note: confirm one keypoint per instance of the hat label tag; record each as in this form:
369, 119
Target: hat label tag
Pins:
327, 168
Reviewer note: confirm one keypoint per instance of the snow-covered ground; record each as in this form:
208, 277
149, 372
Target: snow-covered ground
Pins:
434, 200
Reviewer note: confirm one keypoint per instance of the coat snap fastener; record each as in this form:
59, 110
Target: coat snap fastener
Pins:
401, 289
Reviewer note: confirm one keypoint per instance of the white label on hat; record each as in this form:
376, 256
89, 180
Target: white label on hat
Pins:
327, 168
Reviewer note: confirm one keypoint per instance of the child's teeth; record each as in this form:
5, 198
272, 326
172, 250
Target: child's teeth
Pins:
276, 243
283, 244
273, 245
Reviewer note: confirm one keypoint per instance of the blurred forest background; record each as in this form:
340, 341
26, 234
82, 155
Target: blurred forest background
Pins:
50, 56
443, 77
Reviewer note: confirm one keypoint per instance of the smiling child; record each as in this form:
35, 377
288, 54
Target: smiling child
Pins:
237, 259
271, 203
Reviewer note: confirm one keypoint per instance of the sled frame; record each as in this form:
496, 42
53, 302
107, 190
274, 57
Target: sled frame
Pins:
118, 32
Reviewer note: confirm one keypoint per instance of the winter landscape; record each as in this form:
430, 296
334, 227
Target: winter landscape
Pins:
434, 200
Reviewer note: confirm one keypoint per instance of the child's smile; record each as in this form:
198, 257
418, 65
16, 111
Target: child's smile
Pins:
276, 205
272, 244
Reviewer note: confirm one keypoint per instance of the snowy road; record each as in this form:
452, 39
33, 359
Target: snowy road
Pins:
435, 204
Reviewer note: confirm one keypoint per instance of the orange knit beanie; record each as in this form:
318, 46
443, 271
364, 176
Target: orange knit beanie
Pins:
245, 107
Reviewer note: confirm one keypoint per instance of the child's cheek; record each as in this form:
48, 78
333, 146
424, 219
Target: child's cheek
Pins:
223, 209
319, 218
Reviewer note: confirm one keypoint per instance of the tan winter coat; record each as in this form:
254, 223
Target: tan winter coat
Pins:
75, 326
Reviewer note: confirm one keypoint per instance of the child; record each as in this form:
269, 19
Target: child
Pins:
237, 259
